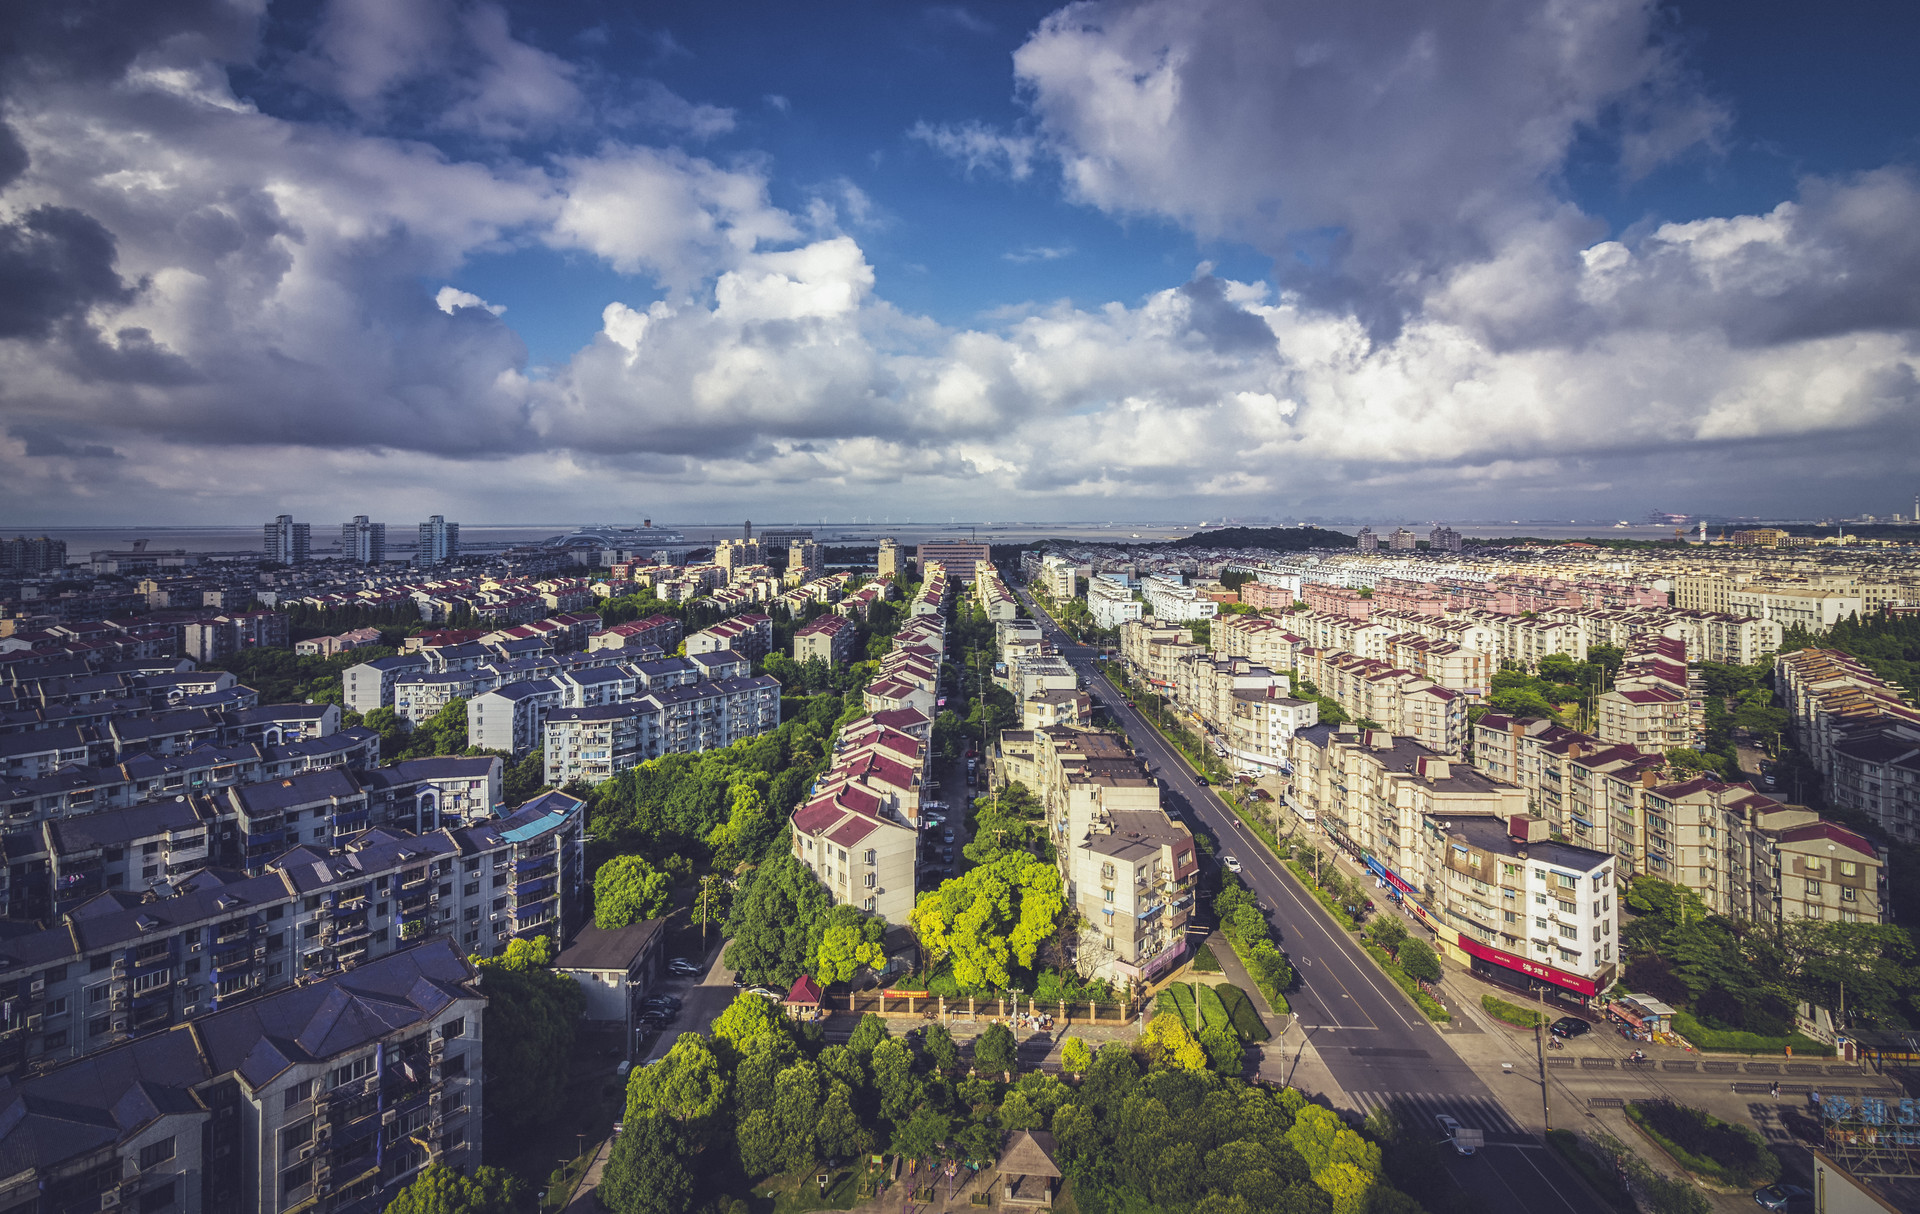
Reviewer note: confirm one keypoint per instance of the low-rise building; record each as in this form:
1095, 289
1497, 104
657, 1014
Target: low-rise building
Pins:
828, 639
749, 635
1111, 603
1173, 602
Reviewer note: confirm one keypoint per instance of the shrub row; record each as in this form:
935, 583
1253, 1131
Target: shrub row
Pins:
1601, 1176
1425, 1002
1204, 962
1731, 1041
1241, 1013
1326, 899
1245, 926
1701, 1142
1512, 1013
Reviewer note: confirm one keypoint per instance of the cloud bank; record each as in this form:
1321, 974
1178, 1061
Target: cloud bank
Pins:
241, 307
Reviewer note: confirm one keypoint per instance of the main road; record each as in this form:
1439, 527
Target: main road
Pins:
1379, 1048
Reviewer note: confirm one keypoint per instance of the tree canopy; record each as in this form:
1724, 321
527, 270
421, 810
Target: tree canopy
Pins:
627, 890
532, 1014
439, 1189
992, 917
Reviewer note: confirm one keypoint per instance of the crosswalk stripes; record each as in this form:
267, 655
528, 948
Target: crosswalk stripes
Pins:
1474, 1112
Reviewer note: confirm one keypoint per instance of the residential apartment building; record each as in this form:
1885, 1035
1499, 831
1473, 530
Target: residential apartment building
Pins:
889, 564
512, 718
1726, 842
116, 967
1111, 604
750, 636
439, 541
286, 541
1173, 602
1654, 704
992, 595
1393, 699
1268, 596
1150, 649
656, 632
1518, 907
1059, 577
1860, 732
858, 832
956, 557
597, 743
222, 636
829, 639
1368, 790
331, 1095
1262, 641
362, 542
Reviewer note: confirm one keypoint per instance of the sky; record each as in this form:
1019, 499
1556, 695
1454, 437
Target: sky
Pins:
849, 260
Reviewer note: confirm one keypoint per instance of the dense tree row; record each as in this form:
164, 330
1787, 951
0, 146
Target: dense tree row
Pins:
1136, 1127
1738, 975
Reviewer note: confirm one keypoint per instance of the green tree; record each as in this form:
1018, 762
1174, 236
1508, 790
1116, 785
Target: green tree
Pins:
990, 918
1075, 1057
532, 1015
1387, 931
775, 922
839, 1133
1224, 1052
796, 1110
439, 1189
760, 1144
524, 780
996, 1050
921, 1134
940, 1048
1418, 959
627, 890
1168, 1042
747, 1019
848, 941
686, 1085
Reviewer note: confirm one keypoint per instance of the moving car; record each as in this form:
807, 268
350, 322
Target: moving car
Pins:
763, 992
1463, 1140
682, 965
1230, 863
1781, 1197
1569, 1027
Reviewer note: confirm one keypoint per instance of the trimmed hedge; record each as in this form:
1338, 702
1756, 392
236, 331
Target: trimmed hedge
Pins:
1204, 962
1212, 1012
1425, 1002
1725, 1041
1241, 1013
1701, 1142
1512, 1013
1178, 999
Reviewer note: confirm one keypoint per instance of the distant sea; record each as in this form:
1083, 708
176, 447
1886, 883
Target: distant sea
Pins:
235, 540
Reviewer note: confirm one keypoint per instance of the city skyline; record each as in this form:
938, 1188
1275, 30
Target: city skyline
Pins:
1123, 261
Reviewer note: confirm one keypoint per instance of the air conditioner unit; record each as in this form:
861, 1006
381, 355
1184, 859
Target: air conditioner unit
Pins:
388, 1116
306, 1152
109, 1199
189, 1009
197, 946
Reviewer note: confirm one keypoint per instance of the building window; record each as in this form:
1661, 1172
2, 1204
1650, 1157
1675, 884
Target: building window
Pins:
457, 1027
156, 1153
1848, 894
1813, 888
1849, 869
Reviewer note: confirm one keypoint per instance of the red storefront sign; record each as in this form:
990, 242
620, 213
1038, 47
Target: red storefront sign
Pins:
1533, 969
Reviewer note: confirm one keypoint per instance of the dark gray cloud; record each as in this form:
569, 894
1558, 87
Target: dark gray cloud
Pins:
79, 41
13, 157
55, 263
42, 443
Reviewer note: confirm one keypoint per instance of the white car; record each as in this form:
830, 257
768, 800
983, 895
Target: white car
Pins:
1463, 1140
1230, 863
762, 991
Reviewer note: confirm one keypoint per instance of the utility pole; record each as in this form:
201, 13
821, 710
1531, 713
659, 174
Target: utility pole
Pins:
1540, 1054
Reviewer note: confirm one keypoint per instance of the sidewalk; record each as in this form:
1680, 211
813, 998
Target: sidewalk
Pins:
585, 1198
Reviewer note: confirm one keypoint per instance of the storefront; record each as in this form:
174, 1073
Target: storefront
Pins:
1522, 974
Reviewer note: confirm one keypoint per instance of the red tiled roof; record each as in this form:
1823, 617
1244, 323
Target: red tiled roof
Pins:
1828, 830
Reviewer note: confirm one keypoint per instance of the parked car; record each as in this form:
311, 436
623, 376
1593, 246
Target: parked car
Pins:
1230, 863
620, 1072
947, 834
763, 992
946, 854
1781, 1197
680, 965
1569, 1027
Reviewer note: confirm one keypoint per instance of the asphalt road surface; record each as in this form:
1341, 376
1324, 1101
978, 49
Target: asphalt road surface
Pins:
1380, 1048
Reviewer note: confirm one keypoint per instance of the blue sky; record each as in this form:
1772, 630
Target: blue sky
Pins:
1130, 260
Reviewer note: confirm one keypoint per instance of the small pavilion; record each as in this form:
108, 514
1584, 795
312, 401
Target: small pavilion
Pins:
1027, 1170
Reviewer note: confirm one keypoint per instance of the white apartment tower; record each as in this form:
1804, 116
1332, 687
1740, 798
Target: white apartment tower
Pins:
286, 541
439, 541
362, 542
